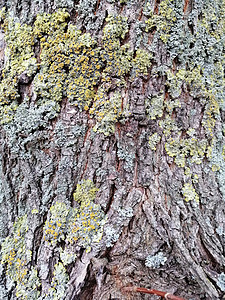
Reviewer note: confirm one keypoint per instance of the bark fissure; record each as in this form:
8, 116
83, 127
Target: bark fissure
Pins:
150, 140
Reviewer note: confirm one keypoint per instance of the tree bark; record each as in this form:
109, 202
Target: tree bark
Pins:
159, 169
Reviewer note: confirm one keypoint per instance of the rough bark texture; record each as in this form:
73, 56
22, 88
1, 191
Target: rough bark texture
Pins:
159, 169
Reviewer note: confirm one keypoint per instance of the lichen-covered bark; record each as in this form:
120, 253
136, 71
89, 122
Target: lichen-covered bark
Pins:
112, 165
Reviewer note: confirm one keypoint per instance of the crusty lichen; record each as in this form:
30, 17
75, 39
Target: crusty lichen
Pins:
181, 149
194, 72
155, 261
189, 192
141, 62
107, 112
20, 61
76, 226
56, 226
70, 64
82, 225
17, 256
59, 283
154, 139
162, 21
155, 106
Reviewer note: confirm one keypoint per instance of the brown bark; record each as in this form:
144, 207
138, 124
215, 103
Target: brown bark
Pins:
44, 165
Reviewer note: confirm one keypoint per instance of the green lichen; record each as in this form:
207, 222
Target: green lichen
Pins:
221, 282
154, 106
82, 225
117, 27
50, 23
161, 22
67, 65
175, 81
195, 178
197, 72
155, 261
7, 112
183, 148
180, 160
189, 192
59, 283
20, 61
67, 255
86, 226
217, 163
169, 125
154, 139
107, 112
141, 62
2, 14
56, 226
28, 289
17, 257
85, 193
187, 171
70, 64
223, 152
128, 156
171, 104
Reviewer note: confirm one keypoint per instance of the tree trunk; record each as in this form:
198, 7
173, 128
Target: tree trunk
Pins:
112, 166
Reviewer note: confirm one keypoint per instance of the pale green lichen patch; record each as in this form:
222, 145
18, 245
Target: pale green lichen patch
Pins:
189, 192
181, 149
127, 156
85, 193
223, 152
154, 106
28, 289
162, 21
50, 23
107, 112
141, 62
56, 226
20, 60
117, 27
154, 139
75, 226
217, 163
171, 104
69, 67
71, 64
155, 261
195, 178
169, 126
7, 112
82, 225
59, 283
17, 257
67, 255
221, 282
196, 70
